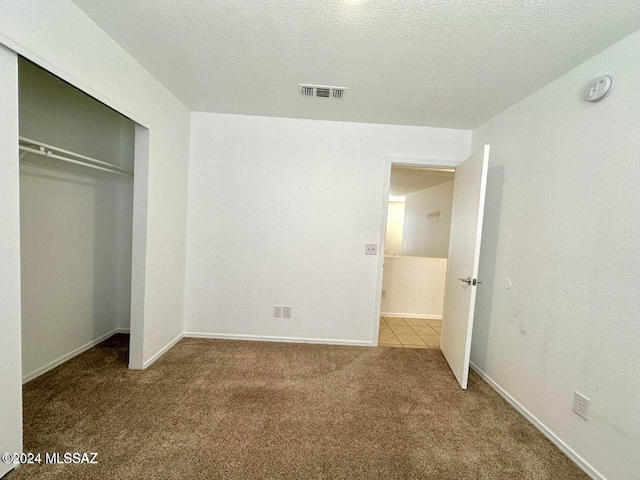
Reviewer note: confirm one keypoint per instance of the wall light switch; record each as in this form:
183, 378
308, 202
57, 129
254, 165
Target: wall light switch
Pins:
286, 312
277, 311
371, 249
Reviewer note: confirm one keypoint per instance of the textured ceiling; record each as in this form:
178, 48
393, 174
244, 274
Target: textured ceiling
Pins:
408, 180
446, 63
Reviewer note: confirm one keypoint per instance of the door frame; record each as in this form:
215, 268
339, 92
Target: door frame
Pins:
398, 161
140, 198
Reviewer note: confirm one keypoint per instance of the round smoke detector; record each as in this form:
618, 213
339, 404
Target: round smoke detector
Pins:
599, 88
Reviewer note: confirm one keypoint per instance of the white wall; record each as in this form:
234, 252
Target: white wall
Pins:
10, 350
427, 222
393, 236
562, 222
414, 286
87, 57
124, 242
279, 214
53, 112
71, 232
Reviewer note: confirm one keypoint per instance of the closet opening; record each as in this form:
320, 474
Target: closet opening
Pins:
76, 220
415, 256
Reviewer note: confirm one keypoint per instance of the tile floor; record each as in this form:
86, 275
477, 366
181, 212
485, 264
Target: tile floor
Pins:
409, 333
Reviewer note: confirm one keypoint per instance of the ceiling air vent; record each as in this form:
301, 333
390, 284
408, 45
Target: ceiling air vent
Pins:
322, 91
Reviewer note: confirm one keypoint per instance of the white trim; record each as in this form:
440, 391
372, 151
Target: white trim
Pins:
16, 466
261, 338
67, 356
447, 165
140, 222
122, 330
29, 55
411, 315
547, 432
162, 351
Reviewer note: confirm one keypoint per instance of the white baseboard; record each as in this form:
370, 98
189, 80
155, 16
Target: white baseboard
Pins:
7, 468
67, 356
222, 336
577, 459
260, 338
410, 315
162, 351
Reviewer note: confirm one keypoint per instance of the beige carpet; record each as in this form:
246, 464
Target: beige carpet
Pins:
212, 409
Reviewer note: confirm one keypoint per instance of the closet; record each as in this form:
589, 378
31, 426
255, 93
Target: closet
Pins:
76, 204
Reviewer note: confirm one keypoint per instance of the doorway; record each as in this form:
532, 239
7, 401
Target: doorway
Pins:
461, 278
415, 256
76, 219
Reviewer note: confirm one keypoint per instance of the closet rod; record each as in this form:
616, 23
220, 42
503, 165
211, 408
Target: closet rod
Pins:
39, 148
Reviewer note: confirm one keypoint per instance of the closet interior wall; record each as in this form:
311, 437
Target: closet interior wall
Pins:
75, 224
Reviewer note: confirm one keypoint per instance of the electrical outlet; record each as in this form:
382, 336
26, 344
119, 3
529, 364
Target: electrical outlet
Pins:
371, 249
286, 312
277, 311
581, 405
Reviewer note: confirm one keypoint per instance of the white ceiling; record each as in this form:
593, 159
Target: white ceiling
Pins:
408, 180
446, 63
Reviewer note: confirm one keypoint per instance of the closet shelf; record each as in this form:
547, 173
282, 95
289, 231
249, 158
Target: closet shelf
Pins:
39, 148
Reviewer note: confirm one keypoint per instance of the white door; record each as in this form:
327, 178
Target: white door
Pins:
10, 346
462, 270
